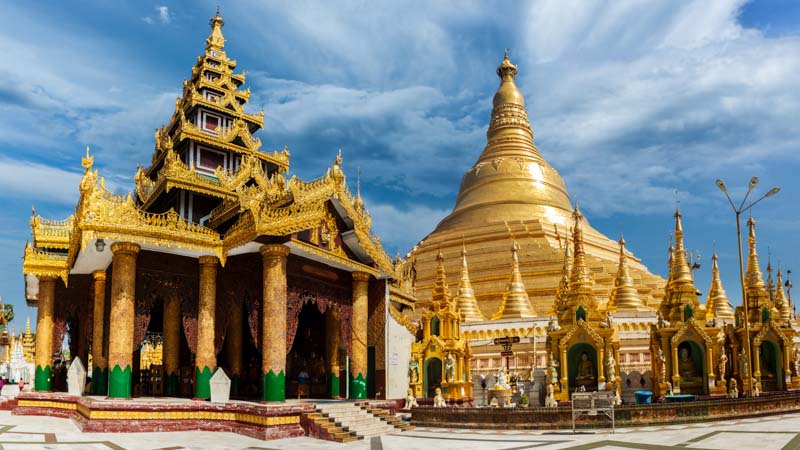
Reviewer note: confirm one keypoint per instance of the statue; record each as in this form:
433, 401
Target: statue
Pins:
411, 401
743, 366
723, 364
438, 400
734, 391
552, 370
586, 374
797, 362
611, 368
450, 368
661, 364
686, 365
413, 371
669, 388
502, 380
550, 400
756, 387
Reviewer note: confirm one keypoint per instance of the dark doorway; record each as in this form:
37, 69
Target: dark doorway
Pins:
433, 376
308, 354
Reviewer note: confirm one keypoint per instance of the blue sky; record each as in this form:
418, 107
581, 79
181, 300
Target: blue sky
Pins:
629, 100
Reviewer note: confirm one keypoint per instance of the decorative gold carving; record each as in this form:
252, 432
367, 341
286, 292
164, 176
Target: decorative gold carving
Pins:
52, 234
45, 264
47, 404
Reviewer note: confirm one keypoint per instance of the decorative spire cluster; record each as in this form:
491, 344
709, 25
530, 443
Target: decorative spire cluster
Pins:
563, 287
757, 295
466, 303
717, 305
781, 303
681, 301
624, 296
216, 41
441, 292
515, 303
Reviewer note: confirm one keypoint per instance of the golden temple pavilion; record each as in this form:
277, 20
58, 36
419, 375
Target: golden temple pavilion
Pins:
231, 263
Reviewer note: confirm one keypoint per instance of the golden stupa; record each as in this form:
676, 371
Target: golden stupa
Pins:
513, 193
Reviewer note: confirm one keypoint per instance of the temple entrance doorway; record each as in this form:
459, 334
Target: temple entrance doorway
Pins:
582, 361
692, 368
433, 376
771, 366
307, 356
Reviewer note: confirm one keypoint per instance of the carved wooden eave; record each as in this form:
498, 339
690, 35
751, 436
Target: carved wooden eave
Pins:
580, 325
409, 323
773, 326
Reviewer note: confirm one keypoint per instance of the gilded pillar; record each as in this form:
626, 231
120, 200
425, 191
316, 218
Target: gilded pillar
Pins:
99, 360
120, 336
358, 327
675, 376
273, 322
332, 351
205, 362
233, 344
172, 343
44, 333
757, 362
564, 370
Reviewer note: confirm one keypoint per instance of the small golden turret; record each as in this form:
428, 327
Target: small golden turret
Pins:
781, 304
28, 343
515, 303
580, 281
440, 290
770, 281
717, 304
465, 302
624, 296
757, 295
563, 287
215, 41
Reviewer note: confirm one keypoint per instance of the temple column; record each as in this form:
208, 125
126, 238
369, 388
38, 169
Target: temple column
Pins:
564, 370
120, 336
172, 343
757, 362
332, 350
601, 366
358, 361
233, 345
205, 362
676, 387
273, 322
710, 365
44, 333
100, 369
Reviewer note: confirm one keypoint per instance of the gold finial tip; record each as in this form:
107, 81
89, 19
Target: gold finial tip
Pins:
621, 239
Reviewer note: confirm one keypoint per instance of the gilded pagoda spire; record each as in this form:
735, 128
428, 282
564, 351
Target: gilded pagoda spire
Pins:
441, 293
624, 296
717, 304
515, 303
563, 287
681, 300
580, 277
580, 301
770, 281
757, 295
465, 302
781, 304
215, 40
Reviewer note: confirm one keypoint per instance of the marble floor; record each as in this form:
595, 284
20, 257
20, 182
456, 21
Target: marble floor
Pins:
775, 432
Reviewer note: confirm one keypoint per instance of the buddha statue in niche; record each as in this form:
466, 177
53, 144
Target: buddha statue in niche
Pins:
586, 373
686, 367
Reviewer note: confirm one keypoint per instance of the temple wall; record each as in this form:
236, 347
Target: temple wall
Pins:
398, 351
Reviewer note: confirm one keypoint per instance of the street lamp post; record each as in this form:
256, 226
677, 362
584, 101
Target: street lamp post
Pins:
738, 212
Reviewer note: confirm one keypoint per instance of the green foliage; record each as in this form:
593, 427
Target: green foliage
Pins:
8, 313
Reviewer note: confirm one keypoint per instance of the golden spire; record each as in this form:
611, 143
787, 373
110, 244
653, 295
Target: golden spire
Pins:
28, 325
511, 181
770, 282
781, 304
717, 304
563, 287
757, 295
440, 290
215, 41
624, 296
465, 302
516, 303
580, 277
682, 293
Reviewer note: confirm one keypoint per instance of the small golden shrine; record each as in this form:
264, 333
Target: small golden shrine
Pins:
28, 344
771, 334
584, 348
441, 358
684, 344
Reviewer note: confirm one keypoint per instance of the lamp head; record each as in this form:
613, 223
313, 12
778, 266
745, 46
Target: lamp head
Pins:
753, 182
721, 185
773, 191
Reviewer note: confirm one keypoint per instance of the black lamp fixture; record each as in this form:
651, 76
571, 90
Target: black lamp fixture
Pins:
99, 245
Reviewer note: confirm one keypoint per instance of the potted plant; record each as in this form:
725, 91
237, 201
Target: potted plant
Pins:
523, 401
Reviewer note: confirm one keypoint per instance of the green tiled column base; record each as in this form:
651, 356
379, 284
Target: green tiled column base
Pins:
100, 381
171, 383
334, 386
358, 387
236, 380
41, 381
274, 386
119, 382
202, 382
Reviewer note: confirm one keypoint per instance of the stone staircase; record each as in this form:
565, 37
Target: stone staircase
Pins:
355, 418
326, 428
385, 415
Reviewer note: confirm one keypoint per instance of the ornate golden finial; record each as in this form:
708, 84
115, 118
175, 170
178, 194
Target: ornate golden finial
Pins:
717, 304
506, 70
87, 161
580, 273
440, 291
624, 295
563, 287
770, 282
215, 41
680, 290
466, 303
754, 280
515, 303
681, 273
783, 306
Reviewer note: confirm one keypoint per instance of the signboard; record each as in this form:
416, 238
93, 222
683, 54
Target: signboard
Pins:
506, 353
506, 340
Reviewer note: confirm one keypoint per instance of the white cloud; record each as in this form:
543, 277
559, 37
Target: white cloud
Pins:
38, 182
162, 16
405, 226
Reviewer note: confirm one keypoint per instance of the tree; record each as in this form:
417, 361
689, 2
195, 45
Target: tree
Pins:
8, 313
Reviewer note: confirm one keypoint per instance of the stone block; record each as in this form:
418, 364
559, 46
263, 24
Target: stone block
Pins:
76, 377
220, 387
9, 391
